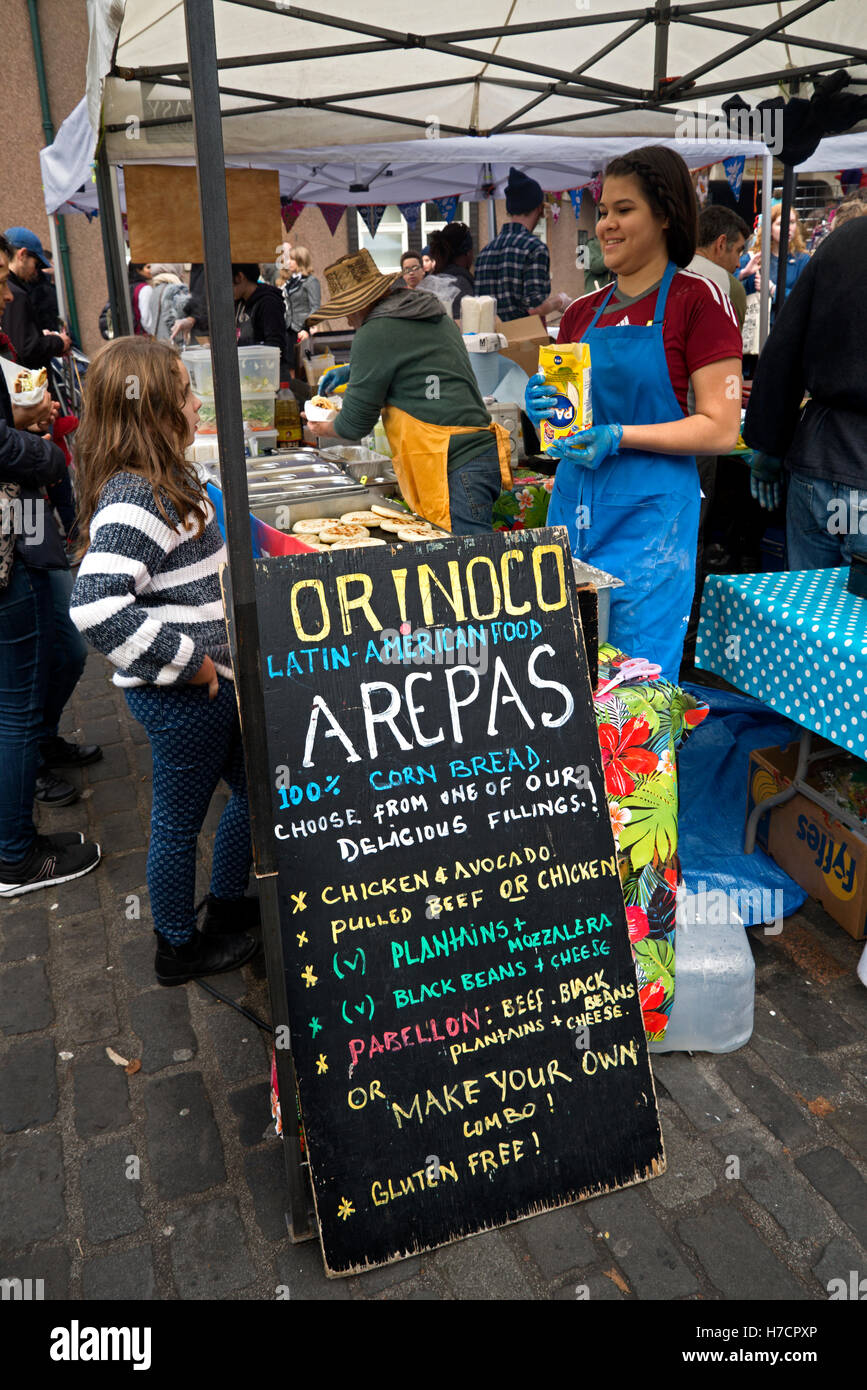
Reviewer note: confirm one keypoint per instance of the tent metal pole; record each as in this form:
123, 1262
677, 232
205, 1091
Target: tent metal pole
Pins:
210, 171
757, 35
497, 31
706, 6
279, 103
307, 104
768, 79
614, 17
799, 41
113, 245
594, 87
59, 287
561, 89
587, 115
765, 296
662, 20
786, 201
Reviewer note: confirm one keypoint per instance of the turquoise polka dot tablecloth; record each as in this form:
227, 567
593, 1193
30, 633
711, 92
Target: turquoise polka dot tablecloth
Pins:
795, 640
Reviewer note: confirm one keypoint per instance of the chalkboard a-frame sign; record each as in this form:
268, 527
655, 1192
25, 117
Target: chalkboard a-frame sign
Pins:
465, 1021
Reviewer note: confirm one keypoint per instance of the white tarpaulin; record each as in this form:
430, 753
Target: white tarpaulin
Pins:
410, 171
339, 147
407, 171
350, 75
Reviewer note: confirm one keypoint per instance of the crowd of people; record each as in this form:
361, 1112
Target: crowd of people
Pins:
663, 314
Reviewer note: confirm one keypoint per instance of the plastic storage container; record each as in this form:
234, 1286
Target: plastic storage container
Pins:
714, 978
259, 369
257, 412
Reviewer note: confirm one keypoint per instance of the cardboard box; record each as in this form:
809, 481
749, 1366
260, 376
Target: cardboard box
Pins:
524, 338
825, 857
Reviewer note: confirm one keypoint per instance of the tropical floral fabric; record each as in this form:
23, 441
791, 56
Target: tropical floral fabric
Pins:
526, 504
641, 725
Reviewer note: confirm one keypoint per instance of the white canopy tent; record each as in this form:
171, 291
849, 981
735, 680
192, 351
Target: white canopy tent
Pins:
293, 78
407, 171
322, 98
394, 172
556, 90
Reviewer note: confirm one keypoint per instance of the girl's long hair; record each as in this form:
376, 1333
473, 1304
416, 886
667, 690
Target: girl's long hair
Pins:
797, 244
666, 184
133, 422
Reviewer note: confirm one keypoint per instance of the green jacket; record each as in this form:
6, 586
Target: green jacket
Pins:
420, 365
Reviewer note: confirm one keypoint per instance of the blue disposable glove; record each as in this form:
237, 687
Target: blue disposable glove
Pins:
764, 480
540, 397
332, 379
588, 448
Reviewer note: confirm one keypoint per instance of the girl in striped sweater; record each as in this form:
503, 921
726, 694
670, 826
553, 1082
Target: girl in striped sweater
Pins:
148, 597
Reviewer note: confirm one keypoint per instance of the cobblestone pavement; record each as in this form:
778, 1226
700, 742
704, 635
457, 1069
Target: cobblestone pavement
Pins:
204, 1218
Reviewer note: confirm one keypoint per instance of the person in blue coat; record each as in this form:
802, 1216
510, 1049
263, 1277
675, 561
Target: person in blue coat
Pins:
665, 353
749, 270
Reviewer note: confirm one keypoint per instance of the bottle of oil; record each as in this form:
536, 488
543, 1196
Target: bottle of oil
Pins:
287, 417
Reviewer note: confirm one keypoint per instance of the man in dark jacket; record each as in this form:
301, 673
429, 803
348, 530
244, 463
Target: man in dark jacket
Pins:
33, 347
43, 297
259, 314
36, 673
817, 346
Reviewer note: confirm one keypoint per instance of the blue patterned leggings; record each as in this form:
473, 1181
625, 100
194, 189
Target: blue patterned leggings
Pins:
195, 742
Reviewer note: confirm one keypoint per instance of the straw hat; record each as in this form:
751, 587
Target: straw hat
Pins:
354, 283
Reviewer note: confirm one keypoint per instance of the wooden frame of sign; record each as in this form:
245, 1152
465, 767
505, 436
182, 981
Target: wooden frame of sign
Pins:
463, 1006
162, 209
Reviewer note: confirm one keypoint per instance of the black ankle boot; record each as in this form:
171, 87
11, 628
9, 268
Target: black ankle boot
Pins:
201, 956
224, 915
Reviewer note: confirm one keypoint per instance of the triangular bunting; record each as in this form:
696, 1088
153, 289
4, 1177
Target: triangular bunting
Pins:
734, 171
372, 214
410, 211
447, 207
595, 186
576, 194
554, 200
332, 212
290, 211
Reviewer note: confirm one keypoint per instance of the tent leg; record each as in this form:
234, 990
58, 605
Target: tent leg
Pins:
765, 296
114, 248
788, 198
241, 594
59, 285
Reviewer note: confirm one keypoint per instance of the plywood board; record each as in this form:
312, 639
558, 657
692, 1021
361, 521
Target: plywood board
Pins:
162, 208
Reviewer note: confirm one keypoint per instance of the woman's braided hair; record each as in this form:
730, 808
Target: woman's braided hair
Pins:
666, 184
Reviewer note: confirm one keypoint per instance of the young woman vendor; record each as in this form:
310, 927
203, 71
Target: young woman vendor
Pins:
665, 352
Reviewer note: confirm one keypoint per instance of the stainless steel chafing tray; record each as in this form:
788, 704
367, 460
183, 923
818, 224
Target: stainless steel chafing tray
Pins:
282, 511
603, 583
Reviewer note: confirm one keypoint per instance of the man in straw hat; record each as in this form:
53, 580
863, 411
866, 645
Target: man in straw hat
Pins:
409, 361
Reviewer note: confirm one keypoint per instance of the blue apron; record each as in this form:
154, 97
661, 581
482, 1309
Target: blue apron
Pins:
636, 516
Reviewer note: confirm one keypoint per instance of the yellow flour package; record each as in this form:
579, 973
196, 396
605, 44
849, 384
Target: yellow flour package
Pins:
567, 367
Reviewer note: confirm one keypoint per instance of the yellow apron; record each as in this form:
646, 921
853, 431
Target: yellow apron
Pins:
420, 456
